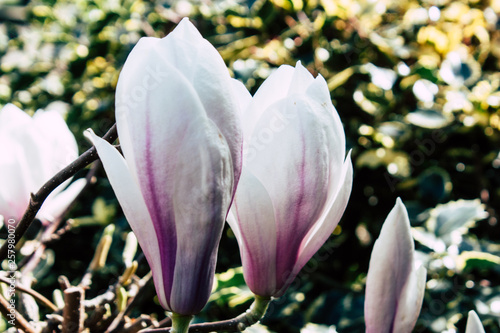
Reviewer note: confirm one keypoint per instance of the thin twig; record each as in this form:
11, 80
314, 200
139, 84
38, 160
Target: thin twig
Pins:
37, 199
237, 324
19, 321
138, 324
165, 322
32, 260
33, 293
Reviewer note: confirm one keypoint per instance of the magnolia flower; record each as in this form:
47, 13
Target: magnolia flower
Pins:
32, 150
295, 182
394, 286
474, 323
182, 144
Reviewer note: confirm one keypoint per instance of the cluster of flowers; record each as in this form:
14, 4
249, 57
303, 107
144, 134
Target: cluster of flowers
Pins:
199, 149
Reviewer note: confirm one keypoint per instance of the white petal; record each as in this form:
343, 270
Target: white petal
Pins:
252, 221
31, 147
334, 210
41, 141
201, 64
410, 301
132, 202
243, 96
292, 153
391, 263
15, 179
474, 324
12, 117
318, 91
301, 80
272, 90
201, 198
152, 121
59, 144
53, 208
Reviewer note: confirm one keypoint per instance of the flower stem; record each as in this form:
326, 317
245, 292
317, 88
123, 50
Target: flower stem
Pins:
254, 314
180, 323
238, 324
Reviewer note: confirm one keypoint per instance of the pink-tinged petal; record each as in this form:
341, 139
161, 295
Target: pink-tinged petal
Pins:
474, 324
292, 143
154, 126
274, 89
201, 64
54, 207
391, 264
201, 198
252, 221
150, 85
175, 99
410, 301
334, 209
293, 165
132, 202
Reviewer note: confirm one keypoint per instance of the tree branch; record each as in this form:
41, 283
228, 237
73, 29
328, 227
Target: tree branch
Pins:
238, 324
50, 234
73, 310
37, 199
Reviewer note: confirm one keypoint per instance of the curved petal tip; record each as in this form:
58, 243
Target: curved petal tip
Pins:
474, 323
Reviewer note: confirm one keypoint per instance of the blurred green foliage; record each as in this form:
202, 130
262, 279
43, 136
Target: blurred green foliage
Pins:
417, 86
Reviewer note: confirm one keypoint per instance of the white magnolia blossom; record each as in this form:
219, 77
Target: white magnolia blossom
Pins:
33, 150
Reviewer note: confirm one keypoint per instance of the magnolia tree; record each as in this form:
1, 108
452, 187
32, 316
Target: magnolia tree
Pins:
196, 149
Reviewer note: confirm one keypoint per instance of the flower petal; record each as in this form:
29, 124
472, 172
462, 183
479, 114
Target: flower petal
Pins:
12, 118
18, 127
201, 198
202, 65
301, 80
252, 221
243, 96
318, 91
53, 207
148, 86
42, 141
15, 178
292, 153
474, 324
132, 202
410, 301
335, 207
272, 90
153, 116
58, 138
391, 263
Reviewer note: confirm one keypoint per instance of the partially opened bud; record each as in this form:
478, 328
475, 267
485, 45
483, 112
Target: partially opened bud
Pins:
296, 178
179, 132
394, 286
